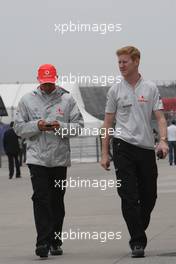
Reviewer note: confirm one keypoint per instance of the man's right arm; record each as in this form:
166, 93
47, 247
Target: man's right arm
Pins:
22, 126
108, 123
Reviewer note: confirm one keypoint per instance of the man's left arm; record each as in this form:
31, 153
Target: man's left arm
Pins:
75, 123
162, 125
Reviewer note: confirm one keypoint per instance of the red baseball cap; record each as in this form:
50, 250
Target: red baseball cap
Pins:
47, 74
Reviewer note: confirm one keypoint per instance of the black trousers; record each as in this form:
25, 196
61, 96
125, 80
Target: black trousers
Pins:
48, 203
137, 170
11, 159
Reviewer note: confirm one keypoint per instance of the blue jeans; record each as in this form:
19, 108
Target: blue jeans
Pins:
172, 151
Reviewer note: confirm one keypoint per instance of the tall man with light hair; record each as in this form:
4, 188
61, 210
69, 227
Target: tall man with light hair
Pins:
131, 104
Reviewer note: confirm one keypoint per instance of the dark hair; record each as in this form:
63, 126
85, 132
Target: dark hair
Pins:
12, 124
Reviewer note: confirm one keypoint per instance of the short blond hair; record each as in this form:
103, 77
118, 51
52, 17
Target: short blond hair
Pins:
129, 50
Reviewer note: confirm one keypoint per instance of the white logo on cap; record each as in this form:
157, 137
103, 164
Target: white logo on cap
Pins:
47, 72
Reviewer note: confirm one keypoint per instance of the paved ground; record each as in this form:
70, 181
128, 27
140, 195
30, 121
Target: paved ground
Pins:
87, 209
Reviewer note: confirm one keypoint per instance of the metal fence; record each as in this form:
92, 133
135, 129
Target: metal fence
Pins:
85, 149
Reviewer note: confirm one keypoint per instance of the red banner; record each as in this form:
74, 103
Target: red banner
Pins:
169, 104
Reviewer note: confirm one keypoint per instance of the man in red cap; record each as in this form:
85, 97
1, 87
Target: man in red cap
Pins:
40, 114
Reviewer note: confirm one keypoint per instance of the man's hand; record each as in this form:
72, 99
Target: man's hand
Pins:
45, 126
42, 125
55, 125
105, 162
108, 123
163, 146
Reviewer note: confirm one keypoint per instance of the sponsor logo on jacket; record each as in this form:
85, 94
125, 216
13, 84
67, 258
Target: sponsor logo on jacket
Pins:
59, 111
142, 99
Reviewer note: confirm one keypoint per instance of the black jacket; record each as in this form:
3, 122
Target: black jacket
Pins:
10, 142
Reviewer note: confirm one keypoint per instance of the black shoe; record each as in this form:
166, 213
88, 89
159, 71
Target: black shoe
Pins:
42, 251
18, 176
137, 251
56, 250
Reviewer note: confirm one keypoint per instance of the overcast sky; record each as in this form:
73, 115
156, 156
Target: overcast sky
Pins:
28, 37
